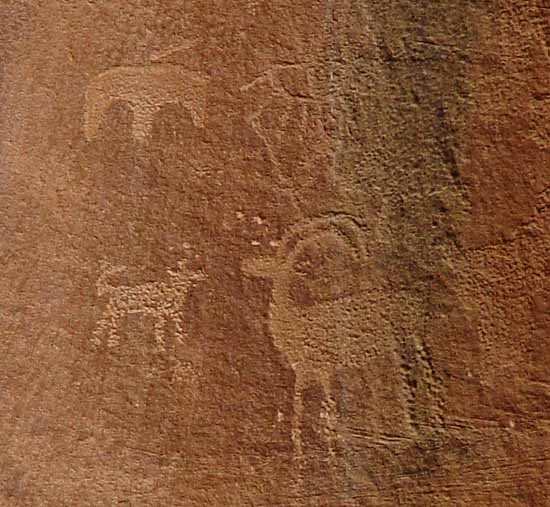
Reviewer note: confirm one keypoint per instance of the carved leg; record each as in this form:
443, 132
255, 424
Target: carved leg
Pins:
112, 335
296, 432
297, 420
197, 115
181, 335
99, 333
159, 333
330, 415
143, 121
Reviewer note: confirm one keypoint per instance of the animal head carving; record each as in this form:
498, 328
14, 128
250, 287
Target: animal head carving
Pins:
183, 274
317, 261
106, 272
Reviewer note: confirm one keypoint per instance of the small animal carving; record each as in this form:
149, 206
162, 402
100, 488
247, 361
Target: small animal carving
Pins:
162, 300
327, 310
146, 89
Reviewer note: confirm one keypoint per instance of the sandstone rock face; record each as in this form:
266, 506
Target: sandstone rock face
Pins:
274, 253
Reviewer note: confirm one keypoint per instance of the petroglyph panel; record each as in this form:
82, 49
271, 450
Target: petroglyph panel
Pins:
364, 320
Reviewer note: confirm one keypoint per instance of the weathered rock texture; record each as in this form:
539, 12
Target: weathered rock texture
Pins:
274, 253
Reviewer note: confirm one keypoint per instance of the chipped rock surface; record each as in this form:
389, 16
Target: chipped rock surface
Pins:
285, 253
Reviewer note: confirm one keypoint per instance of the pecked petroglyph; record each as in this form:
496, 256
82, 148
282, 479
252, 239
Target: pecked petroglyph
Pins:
252, 7
328, 311
146, 90
163, 301
542, 205
288, 118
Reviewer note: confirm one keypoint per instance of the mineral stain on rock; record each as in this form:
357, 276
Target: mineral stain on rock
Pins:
274, 253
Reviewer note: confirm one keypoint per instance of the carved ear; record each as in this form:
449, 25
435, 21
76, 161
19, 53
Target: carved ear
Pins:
260, 267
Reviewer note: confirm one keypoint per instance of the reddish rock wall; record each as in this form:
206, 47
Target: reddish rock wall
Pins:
274, 253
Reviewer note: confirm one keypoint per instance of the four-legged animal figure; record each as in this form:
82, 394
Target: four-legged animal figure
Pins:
162, 300
327, 311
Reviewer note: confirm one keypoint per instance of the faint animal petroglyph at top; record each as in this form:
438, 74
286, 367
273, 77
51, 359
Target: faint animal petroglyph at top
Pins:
161, 300
155, 366
327, 311
288, 118
146, 90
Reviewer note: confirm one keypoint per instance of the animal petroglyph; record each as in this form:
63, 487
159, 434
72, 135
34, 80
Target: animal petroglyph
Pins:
289, 120
327, 310
146, 90
161, 300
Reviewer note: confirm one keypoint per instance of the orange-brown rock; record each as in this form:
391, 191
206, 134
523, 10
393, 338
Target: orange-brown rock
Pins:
286, 253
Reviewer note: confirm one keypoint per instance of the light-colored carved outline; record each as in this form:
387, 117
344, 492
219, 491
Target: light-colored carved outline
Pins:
146, 90
269, 77
162, 300
306, 371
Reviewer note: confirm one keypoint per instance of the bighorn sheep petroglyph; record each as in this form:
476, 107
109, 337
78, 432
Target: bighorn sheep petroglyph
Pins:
327, 310
146, 89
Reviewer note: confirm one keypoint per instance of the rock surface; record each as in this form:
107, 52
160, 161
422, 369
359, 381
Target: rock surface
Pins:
286, 253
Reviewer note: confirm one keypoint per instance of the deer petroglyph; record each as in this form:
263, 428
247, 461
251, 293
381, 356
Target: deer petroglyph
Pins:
162, 300
146, 90
327, 310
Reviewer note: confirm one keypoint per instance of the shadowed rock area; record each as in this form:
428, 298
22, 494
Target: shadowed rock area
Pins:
285, 253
